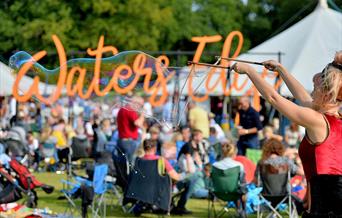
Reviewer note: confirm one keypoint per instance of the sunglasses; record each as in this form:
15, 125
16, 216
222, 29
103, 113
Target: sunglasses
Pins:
324, 72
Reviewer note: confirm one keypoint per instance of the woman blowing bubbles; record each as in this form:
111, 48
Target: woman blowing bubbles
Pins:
321, 149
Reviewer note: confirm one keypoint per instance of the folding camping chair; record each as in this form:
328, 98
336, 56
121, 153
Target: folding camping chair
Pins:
146, 186
122, 168
111, 184
218, 150
79, 148
275, 181
78, 152
112, 188
225, 186
98, 184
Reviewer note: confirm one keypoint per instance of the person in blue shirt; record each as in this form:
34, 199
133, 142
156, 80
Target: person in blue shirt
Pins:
250, 124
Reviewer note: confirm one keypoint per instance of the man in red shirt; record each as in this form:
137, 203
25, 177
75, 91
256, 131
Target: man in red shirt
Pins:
129, 121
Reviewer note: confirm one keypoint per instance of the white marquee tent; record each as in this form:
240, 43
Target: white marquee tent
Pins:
7, 79
307, 47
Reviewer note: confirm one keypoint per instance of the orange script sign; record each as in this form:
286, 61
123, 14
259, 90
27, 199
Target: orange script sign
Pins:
158, 91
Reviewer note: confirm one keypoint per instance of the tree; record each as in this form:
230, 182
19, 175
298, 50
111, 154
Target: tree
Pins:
266, 18
148, 25
28, 25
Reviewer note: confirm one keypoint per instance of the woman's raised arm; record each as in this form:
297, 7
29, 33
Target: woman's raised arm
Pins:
297, 89
312, 120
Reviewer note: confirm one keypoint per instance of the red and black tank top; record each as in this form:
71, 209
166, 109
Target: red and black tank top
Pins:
325, 157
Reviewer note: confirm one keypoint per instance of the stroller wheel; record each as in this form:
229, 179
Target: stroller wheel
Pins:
47, 188
32, 199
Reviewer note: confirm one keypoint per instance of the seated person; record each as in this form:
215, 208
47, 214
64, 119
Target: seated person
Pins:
269, 134
201, 186
293, 135
213, 139
33, 145
103, 133
169, 151
229, 152
80, 144
154, 132
178, 140
150, 149
215, 147
62, 144
273, 154
186, 134
194, 154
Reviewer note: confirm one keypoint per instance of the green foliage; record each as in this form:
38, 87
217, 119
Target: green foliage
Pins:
266, 18
147, 25
28, 25
198, 206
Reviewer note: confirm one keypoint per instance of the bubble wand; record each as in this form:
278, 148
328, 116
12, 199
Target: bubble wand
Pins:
238, 60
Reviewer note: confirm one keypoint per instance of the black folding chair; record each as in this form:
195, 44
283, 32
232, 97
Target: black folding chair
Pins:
275, 181
147, 187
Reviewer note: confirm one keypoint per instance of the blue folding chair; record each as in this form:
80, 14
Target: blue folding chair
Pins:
99, 186
69, 191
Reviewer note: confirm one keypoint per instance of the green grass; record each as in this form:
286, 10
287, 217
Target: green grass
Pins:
199, 207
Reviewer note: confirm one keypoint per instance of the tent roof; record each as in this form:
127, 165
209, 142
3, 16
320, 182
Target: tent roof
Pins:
307, 46
7, 79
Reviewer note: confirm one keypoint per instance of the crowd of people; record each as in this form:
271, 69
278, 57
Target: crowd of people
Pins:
103, 129
320, 114
131, 128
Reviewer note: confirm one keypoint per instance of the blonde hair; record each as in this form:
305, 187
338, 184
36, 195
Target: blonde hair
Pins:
46, 133
168, 145
330, 90
267, 129
154, 129
169, 150
228, 148
177, 136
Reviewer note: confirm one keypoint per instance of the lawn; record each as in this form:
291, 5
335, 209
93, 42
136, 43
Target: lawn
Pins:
199, 207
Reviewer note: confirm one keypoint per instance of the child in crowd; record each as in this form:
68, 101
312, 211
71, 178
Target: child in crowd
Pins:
268, 133
33, 146
201, 186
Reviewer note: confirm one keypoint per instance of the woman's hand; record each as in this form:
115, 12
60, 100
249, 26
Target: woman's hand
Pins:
242, 68
271, 65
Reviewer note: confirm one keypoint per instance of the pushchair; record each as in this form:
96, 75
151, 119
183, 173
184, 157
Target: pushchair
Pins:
15, 142
10, 191
17, 179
